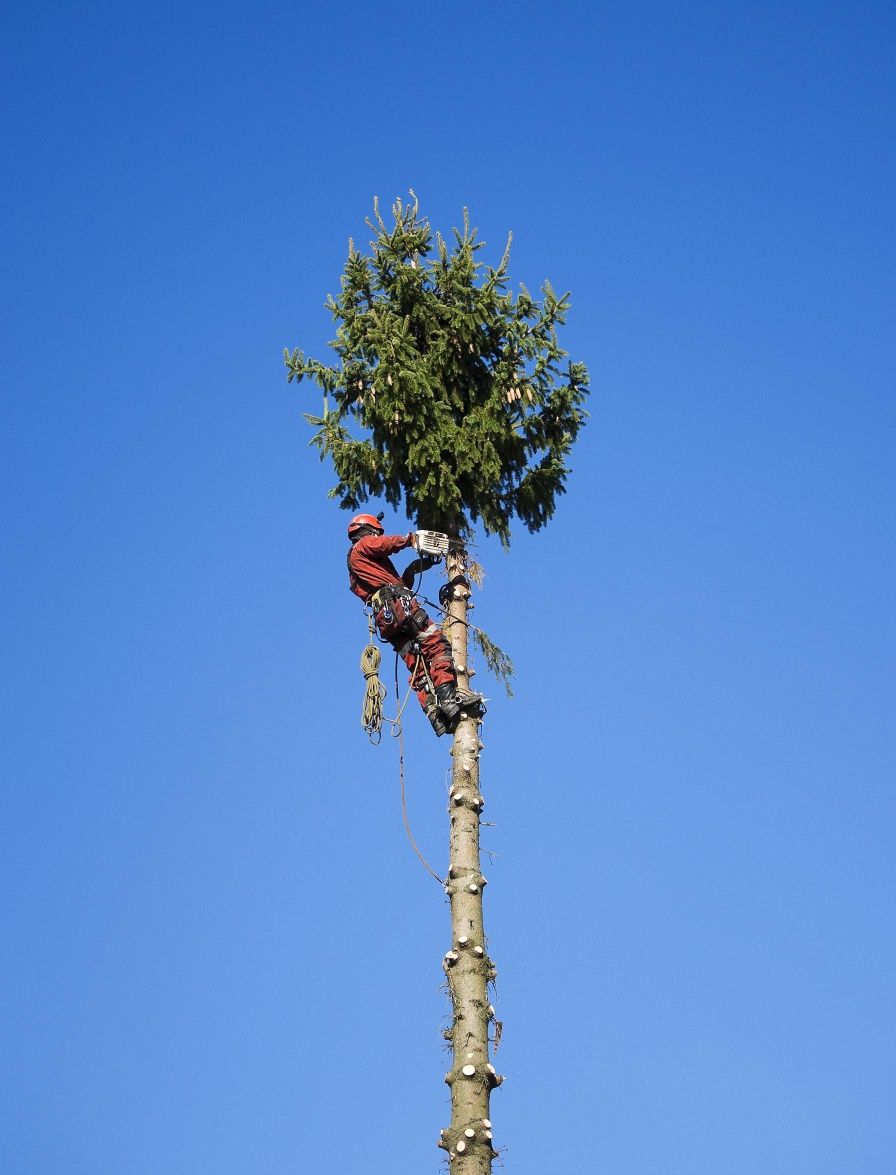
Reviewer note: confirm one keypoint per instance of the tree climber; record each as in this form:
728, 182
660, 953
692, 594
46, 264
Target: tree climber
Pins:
401, 621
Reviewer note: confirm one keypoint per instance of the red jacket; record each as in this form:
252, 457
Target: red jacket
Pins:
369, 565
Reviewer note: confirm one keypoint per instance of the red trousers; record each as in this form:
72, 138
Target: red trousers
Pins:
402, 622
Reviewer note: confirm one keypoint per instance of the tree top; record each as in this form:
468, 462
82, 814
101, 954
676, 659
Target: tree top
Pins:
449, 395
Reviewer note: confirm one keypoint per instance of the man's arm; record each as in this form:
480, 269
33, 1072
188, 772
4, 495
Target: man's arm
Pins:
417, 567
373, 545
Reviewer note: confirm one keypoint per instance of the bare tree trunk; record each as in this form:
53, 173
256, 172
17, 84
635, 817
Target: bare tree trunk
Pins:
468, 1140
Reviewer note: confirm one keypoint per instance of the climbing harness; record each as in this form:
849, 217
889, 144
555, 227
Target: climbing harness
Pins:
399, 616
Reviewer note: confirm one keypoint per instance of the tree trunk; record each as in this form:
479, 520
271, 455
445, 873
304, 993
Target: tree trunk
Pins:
468, 1140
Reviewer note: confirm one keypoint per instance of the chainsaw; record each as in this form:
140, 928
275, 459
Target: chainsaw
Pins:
434, 543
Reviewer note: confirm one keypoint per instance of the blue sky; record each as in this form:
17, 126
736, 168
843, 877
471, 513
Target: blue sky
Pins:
220, 954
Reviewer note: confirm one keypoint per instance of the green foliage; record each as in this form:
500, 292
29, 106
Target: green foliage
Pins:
449, 394
497, 661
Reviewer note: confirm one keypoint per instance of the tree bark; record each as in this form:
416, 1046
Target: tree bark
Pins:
472, 1077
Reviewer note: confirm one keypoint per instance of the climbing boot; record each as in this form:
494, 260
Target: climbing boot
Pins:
435, 716
446, 696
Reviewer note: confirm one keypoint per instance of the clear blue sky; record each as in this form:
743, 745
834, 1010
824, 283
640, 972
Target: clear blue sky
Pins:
219, 953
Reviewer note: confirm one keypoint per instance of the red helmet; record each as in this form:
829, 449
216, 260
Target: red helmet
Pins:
360, 520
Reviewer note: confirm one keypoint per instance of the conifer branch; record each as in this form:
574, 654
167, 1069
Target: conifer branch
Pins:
496, 660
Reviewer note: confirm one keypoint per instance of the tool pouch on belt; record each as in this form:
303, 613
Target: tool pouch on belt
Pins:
398, 617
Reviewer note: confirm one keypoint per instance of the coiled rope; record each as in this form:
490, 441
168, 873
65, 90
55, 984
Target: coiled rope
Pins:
374, 694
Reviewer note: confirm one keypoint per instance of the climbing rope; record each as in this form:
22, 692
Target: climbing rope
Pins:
374, 694
372, 720
404, 803
372, 717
